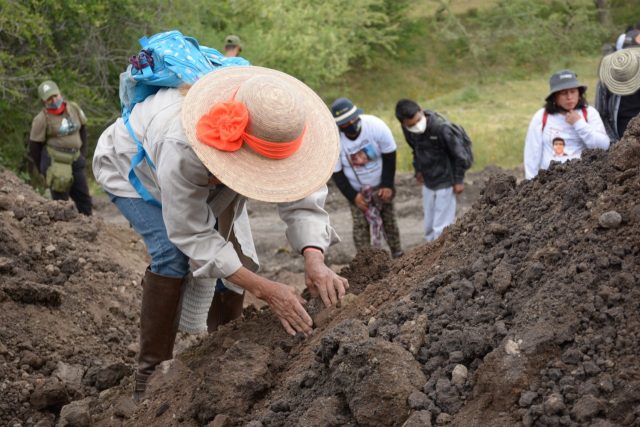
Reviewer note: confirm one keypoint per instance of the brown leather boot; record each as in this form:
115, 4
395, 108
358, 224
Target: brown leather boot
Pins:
225, 307
159, 320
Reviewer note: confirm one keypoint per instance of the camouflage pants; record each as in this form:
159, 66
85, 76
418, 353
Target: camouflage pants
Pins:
361, 233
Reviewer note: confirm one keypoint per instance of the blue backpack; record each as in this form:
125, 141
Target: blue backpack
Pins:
167, 59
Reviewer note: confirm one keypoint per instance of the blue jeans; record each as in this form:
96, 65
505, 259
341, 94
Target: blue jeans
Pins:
146, 220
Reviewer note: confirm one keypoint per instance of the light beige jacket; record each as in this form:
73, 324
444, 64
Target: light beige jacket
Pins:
190, 206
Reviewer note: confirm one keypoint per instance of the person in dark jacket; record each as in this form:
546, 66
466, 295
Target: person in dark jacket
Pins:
58, 147
439, 161
618, 91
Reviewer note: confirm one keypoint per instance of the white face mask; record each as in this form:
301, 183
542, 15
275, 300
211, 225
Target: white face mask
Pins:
419, 127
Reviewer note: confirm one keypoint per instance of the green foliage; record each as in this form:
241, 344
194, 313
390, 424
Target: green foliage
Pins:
374, 51
525, 34
83, 45
624, 13
69, 42
317, 42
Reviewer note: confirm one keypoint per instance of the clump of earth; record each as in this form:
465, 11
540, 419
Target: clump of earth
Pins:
525, 312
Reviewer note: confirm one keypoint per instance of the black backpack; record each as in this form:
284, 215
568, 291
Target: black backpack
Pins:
461, 135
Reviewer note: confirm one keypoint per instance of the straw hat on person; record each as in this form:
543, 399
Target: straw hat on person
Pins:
620, 71
281, 111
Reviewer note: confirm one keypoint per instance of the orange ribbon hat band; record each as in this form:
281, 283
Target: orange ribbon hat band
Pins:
224, 128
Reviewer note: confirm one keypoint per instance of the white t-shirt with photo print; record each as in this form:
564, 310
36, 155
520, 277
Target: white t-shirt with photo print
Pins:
362, 157
583, 134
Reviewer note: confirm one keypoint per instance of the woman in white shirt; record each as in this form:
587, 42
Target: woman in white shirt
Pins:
565, 112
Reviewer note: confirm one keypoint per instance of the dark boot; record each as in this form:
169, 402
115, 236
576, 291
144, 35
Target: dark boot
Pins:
225, 307
159, 320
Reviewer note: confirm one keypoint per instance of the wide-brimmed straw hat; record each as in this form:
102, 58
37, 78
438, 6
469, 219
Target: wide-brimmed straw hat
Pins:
281, 109
620, 71
564, 79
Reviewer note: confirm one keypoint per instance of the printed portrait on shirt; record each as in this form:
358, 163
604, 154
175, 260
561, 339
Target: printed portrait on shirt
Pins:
558, 146
363, 156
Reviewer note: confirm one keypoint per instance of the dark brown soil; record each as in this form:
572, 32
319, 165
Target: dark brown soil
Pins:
526, 312
69, 290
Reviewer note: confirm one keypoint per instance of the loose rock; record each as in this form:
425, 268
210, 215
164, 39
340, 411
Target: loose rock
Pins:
611, 219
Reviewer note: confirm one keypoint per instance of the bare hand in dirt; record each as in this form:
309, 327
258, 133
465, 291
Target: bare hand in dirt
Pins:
321, 280
419, 178
385, 194
572, 117
458, 188
287, 305
283, 300
361, 203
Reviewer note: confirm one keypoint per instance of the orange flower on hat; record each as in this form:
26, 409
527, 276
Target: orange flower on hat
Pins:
223, 126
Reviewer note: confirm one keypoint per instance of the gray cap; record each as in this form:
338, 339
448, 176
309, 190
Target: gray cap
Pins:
47, 89
232, 40
564, 79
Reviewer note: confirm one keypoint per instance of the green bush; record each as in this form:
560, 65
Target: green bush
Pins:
69, 42
84, 44
315, 41
520, 34
375, 51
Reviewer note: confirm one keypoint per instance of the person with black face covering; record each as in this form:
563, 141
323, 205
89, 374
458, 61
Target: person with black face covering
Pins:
365, 174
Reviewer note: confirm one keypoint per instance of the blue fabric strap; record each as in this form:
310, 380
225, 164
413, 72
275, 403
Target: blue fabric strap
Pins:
135, 161
167, 59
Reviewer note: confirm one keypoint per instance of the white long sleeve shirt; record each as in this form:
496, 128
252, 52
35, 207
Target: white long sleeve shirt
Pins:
190, 205
374, 140
583, 134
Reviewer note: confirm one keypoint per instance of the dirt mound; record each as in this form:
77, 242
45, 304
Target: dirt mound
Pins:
68, 305
526, 312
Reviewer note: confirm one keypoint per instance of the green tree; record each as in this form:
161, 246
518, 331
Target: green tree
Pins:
84, 44
69, 42
315, 41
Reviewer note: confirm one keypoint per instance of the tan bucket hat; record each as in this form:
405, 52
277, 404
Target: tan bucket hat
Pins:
620, 71
280, 108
